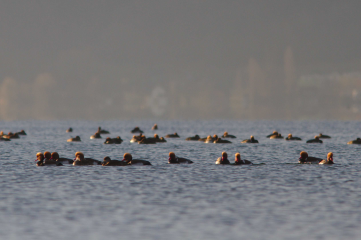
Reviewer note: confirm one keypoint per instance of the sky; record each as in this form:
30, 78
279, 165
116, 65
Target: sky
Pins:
170, 59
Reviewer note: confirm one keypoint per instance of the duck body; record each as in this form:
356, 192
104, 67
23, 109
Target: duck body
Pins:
147, 141
309, 160
2, 138
22, 132
323, 136
136, 130
114, 163
278, 136
293, 139
86, 161
314, 141
242, 162
69, 130
220, 140
76, 139
194, 138
251, 140
356, 141
221, 160
228, 136
116, 140
175, 135
326, 162
95, 136
139, 162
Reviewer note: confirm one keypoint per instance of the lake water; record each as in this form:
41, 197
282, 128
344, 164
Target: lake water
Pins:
275, 198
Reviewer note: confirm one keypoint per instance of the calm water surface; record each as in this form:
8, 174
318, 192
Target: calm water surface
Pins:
273, 199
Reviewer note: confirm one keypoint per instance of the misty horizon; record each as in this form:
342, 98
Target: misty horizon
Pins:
180, 60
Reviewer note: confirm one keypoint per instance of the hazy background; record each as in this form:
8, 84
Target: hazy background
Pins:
180, 59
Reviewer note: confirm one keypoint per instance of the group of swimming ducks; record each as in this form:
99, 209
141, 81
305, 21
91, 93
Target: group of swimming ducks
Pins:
11, 135
48, 158
142, 139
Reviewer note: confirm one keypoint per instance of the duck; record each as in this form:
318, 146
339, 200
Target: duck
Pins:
304, 158
69, 130
76, 139
329, 159
239, 161
273, 133
155, 127
159, 139
220, 140
138, 138
175, 135
136, 130
194, 138
315, 140
128, 158
357, 141
102, 131
40, 159
108, 162
292, 138
250, 140
147, 141
11, 135
211, 139
116, 140
323, 136
223, 159
47, 158
226, 135
4, 138
56, 158
22, 132
176, 160
80, 160
278, 136
95, 136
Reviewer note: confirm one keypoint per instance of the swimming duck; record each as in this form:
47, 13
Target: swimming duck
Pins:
22, 132
11, 135
292, 138
108, 162
102, 131
211, 139
223, 159
129, 160
329, 159
147, 141
220, 140
136, 130
176, 160
116, 140
158, 139
175, 135
357, 141
69, 130
226, 135
304, 158
251, 140
138, 138
76, 139
323, 136
315, 140
155, 127
273, 133
239, 161
95, 136
40, 159
278, 136
80, 160
55, 157
195, 138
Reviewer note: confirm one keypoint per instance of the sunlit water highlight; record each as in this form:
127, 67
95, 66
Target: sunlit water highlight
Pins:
273, 199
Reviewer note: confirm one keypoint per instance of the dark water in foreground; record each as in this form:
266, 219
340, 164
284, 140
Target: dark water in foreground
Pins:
273, 199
